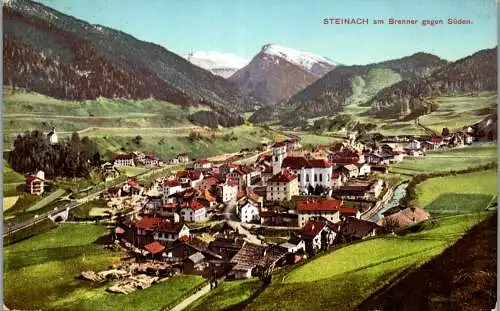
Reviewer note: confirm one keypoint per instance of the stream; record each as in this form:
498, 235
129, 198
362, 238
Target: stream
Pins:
397, 195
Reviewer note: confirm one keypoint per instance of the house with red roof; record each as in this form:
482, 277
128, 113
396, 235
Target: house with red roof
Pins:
310, 209
35, 184
316, 235
282, 186
194, 211
152, 228
170, 187
151, 159
123, 159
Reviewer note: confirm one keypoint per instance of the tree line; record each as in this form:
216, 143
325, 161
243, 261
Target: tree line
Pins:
73, 157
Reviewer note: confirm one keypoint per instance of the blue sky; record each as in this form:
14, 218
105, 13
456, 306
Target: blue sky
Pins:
243, 27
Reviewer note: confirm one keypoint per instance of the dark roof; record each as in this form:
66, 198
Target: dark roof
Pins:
251, 255
353, 227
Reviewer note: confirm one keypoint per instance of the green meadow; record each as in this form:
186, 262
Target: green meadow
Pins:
448, 159
41, 273
343, 278
458, 194
226, 295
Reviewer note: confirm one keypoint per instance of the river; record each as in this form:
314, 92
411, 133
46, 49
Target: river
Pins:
397, 195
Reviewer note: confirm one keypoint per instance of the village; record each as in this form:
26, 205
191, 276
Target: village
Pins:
218, 220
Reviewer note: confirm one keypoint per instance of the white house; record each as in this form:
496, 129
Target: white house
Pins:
311, 209
161, 229
468, 139
203, 165
351, 170
183, 158
363, 169
194, 212
170, 187
415, 144
292, 247
227, 191
52, 136
248, 212
123, 159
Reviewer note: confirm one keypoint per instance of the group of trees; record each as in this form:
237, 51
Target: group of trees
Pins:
70, 158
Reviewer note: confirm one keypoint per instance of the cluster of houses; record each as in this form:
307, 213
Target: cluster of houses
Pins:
318, 194
315, 184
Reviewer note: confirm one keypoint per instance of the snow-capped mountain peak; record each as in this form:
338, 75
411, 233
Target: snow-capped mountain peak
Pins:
222, 64
305, 60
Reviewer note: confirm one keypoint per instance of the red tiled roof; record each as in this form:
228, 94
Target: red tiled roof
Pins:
194, 175
211, 181
240, 171
284, 176
195, 205
159, 224
133, 182
122, 156
231, 165
155, 247
436, 139
204, 161
335, 175
170, 206
300, 162
347, 211
172, 183
312, 228
184, 238
319, 205
32, 178
181, 174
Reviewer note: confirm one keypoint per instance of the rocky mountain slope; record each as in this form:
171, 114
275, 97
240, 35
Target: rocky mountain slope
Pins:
58, 55
348, 85
277, 72
221, 64
469, 75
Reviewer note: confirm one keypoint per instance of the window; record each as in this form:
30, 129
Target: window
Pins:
298, 178
320, 177
276, 158
315, 177
307, 178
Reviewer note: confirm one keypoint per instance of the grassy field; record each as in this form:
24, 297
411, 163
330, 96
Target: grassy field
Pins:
40, 273
347, 276
454, 159
130, 171
465, 193
454, 112
226, 295
28, 111
8, 202
47, 200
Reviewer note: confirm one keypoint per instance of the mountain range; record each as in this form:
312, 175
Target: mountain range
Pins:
397, 88
278, 72
61, 56
221, 64
64, 57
